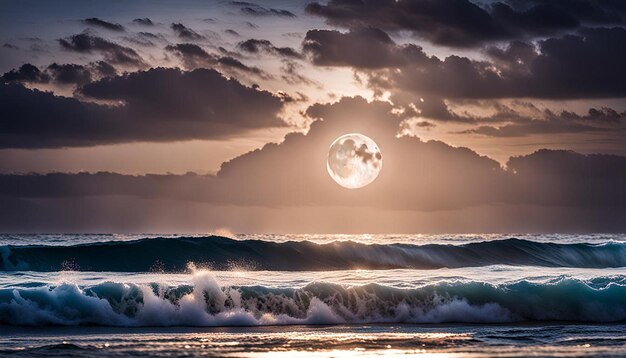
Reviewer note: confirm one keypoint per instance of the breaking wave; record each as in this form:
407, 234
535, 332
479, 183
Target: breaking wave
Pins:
220, 253
206, 303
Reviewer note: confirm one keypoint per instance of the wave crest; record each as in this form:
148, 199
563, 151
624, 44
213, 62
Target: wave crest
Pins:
206, 303
220, 253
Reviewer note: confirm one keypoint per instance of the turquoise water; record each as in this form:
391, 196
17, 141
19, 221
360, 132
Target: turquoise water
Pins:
442, 295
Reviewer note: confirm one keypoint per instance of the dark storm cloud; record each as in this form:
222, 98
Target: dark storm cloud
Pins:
156, 105
462, 23
185, 33
417, 175
69, 73
112, 52
256, 46
143, 21
199, 96
94, 21
602, 115
596, 120
252, 9
521, 118
588, 64
367, 48
103, 69
194, 56
27, 73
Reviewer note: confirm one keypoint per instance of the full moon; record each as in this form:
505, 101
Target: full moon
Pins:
354, 160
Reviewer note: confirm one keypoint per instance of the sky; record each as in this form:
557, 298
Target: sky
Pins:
197, 116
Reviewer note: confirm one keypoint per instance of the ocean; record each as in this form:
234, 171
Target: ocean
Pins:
312, 295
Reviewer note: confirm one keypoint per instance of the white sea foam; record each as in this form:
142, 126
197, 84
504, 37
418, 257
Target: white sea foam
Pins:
208, 303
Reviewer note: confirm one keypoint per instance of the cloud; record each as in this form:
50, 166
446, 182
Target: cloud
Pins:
462, 23
197, 96
94, 21
294, 171
425, 124
569, 179
596, 120
27, 73
103, 69
417, 176
155, 105
532, 127
10, 46
291, 74
146, 39
232, 32
233, 63
143, 21
287, 98
256, 46
366, 48
113, 53
438, 185
555, 68
252, 9
70, 73
194, 56
185, 33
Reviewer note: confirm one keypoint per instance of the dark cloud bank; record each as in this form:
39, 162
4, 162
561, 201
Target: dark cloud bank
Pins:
424, 186
155, 105
584, 65
68, 73
463, 23
546, 190
534, 49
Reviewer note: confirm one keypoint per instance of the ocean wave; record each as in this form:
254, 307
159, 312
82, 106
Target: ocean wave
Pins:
220, 253
205, 302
